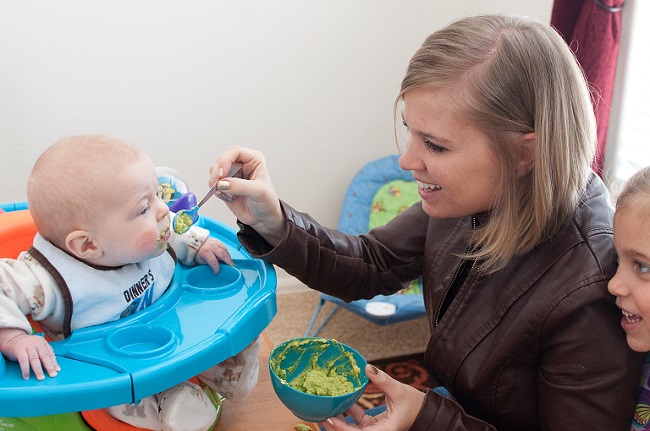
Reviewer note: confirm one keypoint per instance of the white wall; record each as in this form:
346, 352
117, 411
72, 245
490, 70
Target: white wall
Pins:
311, 83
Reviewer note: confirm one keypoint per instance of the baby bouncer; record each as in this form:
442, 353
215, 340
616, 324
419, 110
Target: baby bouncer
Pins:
201, 320
378, 192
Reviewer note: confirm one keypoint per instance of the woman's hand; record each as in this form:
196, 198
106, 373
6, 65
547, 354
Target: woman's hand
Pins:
403, 403
255, 201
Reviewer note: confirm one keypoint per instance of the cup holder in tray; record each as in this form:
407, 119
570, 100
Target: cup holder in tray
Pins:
142, 341
202, 279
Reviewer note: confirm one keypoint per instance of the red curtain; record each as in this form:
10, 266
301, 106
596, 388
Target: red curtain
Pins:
592, 28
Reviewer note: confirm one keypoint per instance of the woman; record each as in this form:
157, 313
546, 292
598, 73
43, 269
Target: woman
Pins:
513, 239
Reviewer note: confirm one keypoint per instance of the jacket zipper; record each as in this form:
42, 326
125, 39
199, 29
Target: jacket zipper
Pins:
444, 297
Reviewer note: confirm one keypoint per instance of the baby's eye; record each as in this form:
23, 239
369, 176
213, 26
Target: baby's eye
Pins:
145, 209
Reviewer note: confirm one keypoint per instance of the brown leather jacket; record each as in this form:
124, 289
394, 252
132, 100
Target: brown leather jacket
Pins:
535, 346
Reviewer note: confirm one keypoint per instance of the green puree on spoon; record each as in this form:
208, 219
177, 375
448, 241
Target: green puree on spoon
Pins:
184, 219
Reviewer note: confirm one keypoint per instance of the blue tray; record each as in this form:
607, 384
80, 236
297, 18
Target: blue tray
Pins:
201, 320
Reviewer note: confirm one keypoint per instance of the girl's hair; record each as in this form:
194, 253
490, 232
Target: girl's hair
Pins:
636, 192
513, 74
68, 188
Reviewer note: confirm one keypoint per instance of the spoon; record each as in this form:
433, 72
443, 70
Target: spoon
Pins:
184, 219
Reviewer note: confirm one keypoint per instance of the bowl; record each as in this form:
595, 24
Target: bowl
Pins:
317, 378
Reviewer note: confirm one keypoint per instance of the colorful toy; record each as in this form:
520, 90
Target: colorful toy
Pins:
171, 185
201, 320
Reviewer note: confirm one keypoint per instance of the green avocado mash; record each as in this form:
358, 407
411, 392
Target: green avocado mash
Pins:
320, 382
325, 379
182, 222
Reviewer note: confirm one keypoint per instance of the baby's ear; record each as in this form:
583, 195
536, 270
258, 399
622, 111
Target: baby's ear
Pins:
81, 245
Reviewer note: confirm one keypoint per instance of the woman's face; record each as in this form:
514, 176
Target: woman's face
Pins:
457, 172
631, 283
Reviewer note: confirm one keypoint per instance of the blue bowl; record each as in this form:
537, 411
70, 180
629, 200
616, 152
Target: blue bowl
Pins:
292, 360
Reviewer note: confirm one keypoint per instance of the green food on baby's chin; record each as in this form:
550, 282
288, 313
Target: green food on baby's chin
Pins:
302, 427
182, 223
328, 379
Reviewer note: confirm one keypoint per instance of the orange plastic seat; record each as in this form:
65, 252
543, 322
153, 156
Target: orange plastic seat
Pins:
17, 232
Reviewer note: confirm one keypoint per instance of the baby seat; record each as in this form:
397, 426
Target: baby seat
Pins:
376, 194
201, 320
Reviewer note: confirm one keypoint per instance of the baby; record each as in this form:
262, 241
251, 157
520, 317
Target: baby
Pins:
102, 228
631, 284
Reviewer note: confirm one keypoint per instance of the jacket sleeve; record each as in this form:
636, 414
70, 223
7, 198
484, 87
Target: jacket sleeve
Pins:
588, 377
350, 267
26, 289
443, 413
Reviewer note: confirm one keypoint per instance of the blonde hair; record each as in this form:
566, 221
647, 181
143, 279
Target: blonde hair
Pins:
513, 74
69, 185
636, 192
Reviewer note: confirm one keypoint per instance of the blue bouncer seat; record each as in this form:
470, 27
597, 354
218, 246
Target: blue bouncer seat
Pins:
376, 194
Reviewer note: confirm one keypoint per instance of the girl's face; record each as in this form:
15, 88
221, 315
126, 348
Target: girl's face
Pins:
631, 283
452, 161
135, 225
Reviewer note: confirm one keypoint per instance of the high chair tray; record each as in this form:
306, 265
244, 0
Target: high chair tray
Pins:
199, 321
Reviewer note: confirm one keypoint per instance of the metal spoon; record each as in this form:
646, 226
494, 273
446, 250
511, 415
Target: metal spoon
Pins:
184, 219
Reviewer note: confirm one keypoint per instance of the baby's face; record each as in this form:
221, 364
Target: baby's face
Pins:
631, 284
135, 223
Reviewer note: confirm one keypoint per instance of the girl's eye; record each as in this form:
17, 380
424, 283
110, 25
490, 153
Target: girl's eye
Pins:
433, 147
145, 210
405, 125
640, 267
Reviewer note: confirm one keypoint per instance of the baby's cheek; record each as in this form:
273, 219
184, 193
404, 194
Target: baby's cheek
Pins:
147, 240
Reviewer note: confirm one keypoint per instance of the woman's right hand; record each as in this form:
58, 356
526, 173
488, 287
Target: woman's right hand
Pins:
403, 403
255, 201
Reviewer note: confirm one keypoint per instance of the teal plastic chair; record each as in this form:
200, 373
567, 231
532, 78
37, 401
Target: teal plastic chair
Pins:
123, 361
377, 193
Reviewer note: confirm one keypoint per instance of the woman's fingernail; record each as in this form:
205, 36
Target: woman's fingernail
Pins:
220, 172
330, 421
374, 370
223, 185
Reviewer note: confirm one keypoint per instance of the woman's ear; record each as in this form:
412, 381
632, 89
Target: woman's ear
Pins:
80, 244
525, 154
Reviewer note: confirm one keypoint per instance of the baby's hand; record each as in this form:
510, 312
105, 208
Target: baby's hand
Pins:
211, 252
29, 350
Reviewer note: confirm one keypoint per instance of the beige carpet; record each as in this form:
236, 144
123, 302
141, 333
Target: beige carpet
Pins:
296, 308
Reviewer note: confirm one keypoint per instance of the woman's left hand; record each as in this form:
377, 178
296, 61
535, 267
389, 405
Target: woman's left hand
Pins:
403, 403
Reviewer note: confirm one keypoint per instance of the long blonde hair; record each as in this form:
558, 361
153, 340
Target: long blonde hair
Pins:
516, 75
